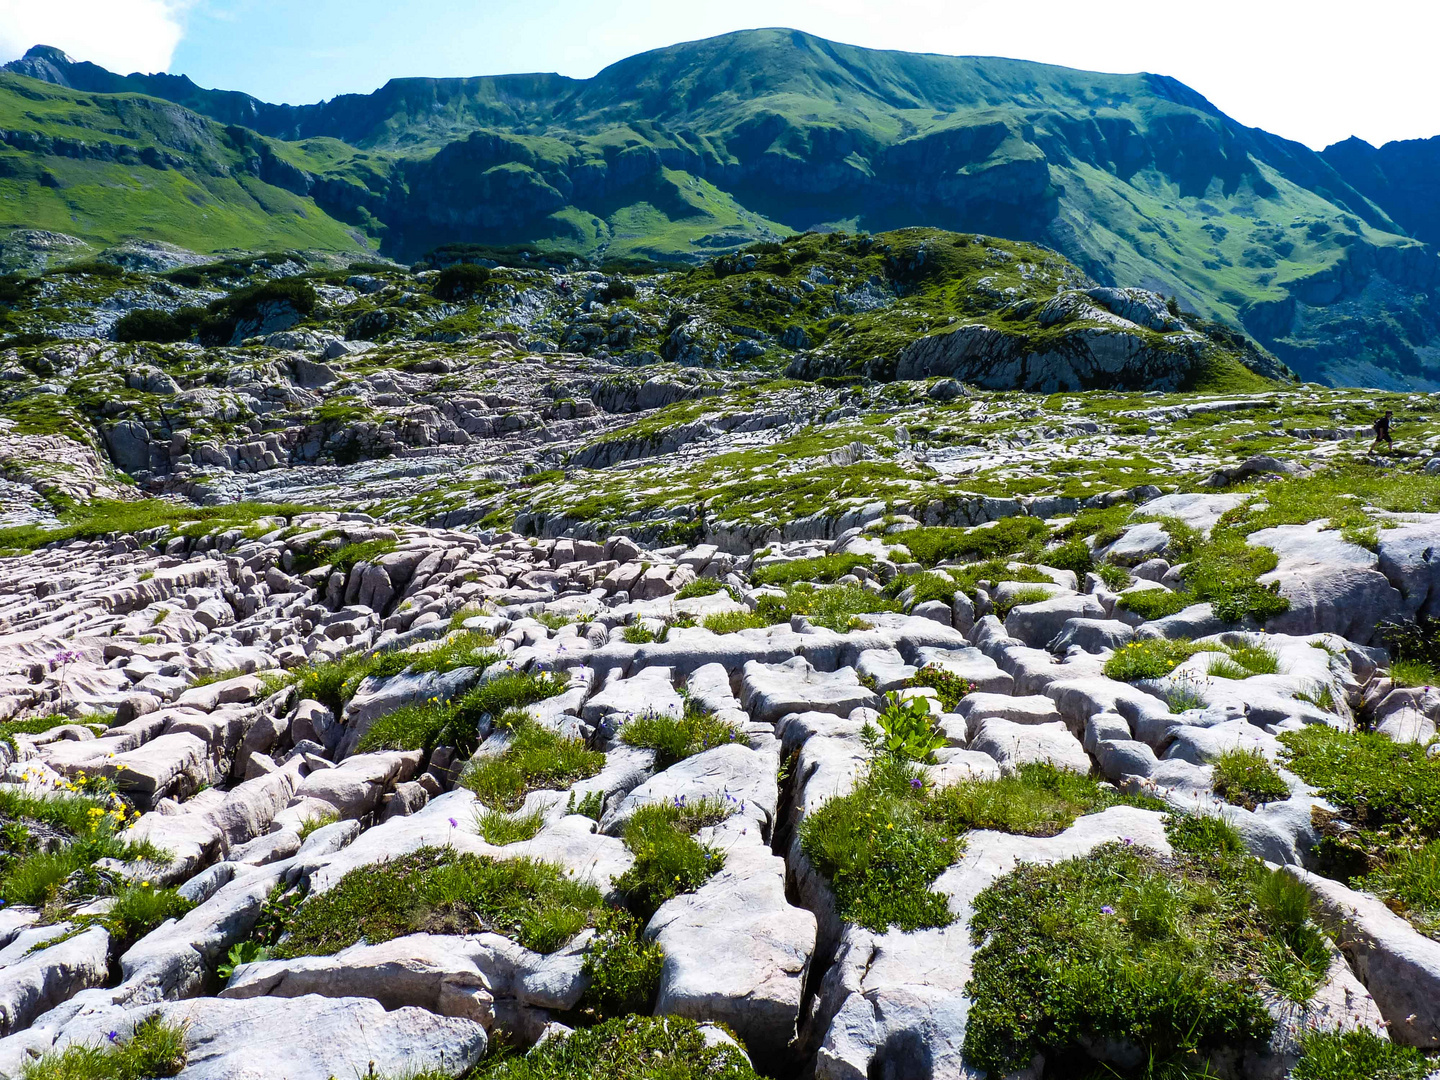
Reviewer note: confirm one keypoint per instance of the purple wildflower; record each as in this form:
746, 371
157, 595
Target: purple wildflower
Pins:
454, 824
915, 782
113, 1036
1107, 910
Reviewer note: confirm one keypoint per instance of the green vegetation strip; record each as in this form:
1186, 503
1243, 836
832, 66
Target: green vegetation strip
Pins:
1386, 836
441, 891
626, 1048
883, 845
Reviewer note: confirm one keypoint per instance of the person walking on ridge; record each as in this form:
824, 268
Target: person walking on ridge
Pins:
1382, 432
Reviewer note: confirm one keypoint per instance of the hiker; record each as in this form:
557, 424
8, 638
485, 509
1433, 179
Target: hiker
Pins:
1382, 432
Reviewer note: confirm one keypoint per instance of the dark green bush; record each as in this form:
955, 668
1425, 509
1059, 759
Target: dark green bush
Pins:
150, 324
1166, 954
460, 281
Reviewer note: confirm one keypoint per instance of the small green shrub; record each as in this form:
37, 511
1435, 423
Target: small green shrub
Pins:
668, 859
906, 730
623, 968
676, 738
150, 324
460, 281
950, 687
1154, 603
536, 758
441, 891
591, 804
628, 1048
1071, 555
1152, 658
1245, 778
1115, 577
1206, 835
242, 952
155, 1048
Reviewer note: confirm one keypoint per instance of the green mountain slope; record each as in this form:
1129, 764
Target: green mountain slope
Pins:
110, 167
710, 145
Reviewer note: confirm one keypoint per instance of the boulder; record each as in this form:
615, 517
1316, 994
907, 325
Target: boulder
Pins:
737, 953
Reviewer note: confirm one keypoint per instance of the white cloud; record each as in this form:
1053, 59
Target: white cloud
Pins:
122, 35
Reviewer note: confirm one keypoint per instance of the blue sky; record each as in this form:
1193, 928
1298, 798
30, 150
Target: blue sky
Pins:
1313, 70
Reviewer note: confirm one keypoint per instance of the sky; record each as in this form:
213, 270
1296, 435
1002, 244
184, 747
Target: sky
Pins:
1316, 71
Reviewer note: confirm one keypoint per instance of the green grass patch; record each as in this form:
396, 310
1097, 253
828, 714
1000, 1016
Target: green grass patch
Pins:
731, 622
1152, 658
702, 587
1154, 603
1039, 800
537, 758
1245, 778
39, 874
100, 518
1019, 598
1409, 882
1413, 673
1007, 536
155, 1048
441, 891
1162, 953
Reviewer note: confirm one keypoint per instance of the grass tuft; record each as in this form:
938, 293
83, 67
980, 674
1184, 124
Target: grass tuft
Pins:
536, 758
1245, 778
675, 739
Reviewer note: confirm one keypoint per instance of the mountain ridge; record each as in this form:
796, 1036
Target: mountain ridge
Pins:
677, 152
